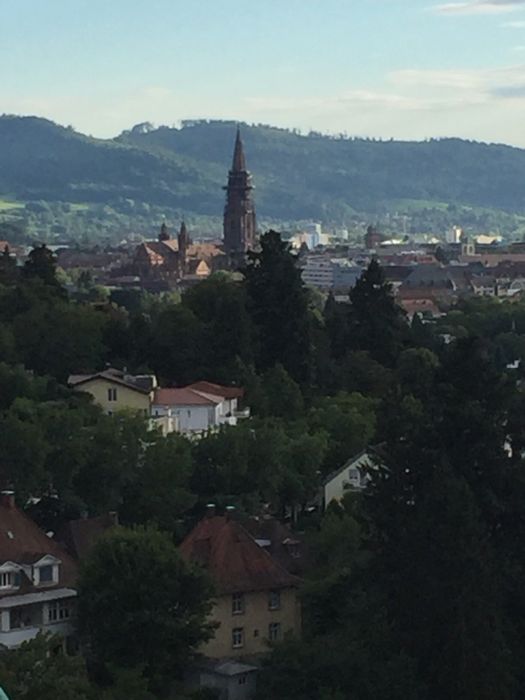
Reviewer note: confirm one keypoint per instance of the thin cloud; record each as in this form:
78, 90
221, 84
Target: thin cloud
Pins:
479, 7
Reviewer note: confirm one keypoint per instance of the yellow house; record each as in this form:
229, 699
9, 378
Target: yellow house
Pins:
114, 390
256, 601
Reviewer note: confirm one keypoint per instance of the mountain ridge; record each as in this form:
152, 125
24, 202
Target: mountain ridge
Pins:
297, 176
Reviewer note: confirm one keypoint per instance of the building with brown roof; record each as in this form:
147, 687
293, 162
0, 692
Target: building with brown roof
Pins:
171, 260
199, 407
78, 537
256, 599
115, 390
37, 579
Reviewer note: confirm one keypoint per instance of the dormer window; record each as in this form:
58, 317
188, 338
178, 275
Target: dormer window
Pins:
6, 579
46, 574
9, 579
46, 571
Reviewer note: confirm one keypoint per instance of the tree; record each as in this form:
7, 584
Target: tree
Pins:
141, 605
220, 304
278, 306
160, 494
41, 263
283, 396
377, 323
8, 268
349, 421
441, 514
40, 669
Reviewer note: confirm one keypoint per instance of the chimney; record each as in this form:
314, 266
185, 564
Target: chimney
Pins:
210, 510
7, 499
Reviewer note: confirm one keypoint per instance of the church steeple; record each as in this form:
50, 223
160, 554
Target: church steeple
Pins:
239, 161
164, 234
239, 212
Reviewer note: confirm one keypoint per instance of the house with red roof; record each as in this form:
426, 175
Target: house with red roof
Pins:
37, 579
200, 407
256, 597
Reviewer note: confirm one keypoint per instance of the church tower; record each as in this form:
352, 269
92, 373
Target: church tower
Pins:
164, 234
239, 212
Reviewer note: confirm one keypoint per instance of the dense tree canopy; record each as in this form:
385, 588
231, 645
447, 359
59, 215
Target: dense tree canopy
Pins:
141, 605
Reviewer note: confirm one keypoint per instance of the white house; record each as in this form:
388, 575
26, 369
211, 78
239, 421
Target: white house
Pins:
199, 407
36, 579
352, 476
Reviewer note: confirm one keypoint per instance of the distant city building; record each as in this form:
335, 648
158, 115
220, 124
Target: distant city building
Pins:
454, 234
373, 238
239, 212
330, 274
173, 259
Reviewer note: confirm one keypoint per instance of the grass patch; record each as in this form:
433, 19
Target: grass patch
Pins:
7, 204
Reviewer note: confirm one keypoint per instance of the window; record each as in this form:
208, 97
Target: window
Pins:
354, 476
6, 579
45, 574
238, 637
274, 600
237, 604
274, 631
58, 611
112, 394
242, 679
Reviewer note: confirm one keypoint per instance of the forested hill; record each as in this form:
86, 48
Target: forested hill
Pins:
296, 176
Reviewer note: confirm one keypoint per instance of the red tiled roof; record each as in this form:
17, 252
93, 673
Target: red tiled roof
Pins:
226, 392
184, 396
233, 559
79, 536
23, 542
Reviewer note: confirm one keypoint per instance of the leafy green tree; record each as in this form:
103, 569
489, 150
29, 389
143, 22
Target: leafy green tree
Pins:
160, 494
349, 421
114, 452
60, 338
220, 304
279, 307
40, 669
283, 396
8, 268
178, 345
142, 606
416, 368
42, 263
377, 323
441, 514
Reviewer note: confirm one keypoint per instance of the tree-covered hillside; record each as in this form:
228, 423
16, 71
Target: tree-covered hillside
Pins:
296, 176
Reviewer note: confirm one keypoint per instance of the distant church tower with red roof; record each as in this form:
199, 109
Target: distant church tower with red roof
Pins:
239, 212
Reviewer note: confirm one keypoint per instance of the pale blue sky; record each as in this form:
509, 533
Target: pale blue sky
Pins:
390, 68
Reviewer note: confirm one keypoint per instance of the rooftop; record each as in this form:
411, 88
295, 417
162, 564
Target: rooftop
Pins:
234, 560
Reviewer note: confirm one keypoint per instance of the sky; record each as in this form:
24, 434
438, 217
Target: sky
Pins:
407, 69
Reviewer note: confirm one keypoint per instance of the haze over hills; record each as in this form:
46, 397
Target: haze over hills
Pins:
296, 176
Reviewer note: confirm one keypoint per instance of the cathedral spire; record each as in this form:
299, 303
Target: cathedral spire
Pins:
239, 161
239, 212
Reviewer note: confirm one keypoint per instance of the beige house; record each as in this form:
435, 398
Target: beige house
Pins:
352, 476
257, 600
114, 390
